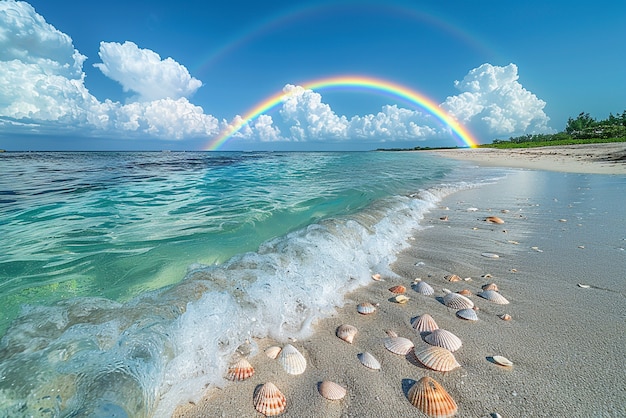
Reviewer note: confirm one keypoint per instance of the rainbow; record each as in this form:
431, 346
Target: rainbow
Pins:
369, 83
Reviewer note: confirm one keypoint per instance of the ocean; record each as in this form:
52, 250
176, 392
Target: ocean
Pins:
129, 279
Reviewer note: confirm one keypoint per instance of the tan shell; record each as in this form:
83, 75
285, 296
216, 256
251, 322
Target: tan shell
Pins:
365, 308
494, 220
292, 360
369, 361
465, 292
493, 296
377, 277
424, 288
467, 314
241, 370
400, 299
399, 289
331, 390
273, 351
432, 399
490, 286
452, 278
268, 400
505, 317
425, 323
502, 361
436, 358
398, 345
445, 339
457, 301
347, 332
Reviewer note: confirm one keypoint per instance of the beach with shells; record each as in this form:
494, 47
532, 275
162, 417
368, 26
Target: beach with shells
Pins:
509, 302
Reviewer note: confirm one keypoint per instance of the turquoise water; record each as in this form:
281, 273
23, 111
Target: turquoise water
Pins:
127, 280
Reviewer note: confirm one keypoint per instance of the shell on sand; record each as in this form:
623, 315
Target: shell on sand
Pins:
436, 358
400, 299
347, 332
465, 292
241, 370
505, 317
457, 301
273, 351
490, 286
365, 308
502, 361
490, 255
452, 278
369, 361
445, 339
467, 314
432, 399
331, 390
292, 360
269, 400
424, 288
425, 323
377, 277
494, 220
397, 289
493, 296
398, 345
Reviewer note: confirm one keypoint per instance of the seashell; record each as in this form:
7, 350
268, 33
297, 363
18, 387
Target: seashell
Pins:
425, 323
452, 278
268, 400
490, 286
331, 390
292, 360
347, 332
377, 277
369, 361
494, 220
465, 292
487, 276
365, 308
502, 361
436, 358
391, 333
241, 370
584, 286
432, 399
445, 339
444, 218
456, 301
397, 289
400, 299
490, 255
467, 314
505, 317
493, 296
424, 288
273, 351
399, 345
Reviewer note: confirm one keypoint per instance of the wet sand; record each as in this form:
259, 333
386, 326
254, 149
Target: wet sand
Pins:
567, 343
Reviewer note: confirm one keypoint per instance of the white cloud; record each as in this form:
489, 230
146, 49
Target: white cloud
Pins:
493, 102
143, 72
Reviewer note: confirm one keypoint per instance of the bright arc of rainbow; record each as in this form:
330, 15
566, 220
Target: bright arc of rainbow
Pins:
370, 83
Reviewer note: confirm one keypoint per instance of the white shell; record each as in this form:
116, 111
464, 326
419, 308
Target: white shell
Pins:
365, 308
424, 288
347, 332
399, 345
331, 390
369, 361
493, 296
457, 301
490, 255
273, 351
436, 358
468, 314
268, 400
445, 339
292, 360
425, 323
502, 361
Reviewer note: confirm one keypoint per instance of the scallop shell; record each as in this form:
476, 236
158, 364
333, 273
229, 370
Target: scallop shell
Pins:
369, 361
425, 323
505, 317
502, 361
494, 220
400, 299
490, 286
468, 314
493, 296
445, 339
397, 289
331, 390
399, 345
268, 400
241, 370
465, 292
452, 278
436, 358
347, 332
456, 301
273, 351
424, 288
292, 360
432, 399
365, 308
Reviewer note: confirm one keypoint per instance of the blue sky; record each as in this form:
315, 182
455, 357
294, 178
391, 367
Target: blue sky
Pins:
172, 75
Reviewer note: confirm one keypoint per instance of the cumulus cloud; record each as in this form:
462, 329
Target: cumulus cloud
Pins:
144, 72
493, 102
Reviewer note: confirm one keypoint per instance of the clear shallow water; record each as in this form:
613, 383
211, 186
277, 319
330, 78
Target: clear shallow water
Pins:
127, 280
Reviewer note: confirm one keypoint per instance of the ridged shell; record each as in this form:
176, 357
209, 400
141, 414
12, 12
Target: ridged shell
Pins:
456, 301
425, 323
465, 292
273, 351
502, 361
398, 345
505, 317
445, 339
331, 390
401, 299
493, 296
468, 314
292, 360
399, 289
432, 399
436, 358
369, 361
269, 401
424, 288
452, 278
365, 308
241, 370
347, 332
490, 286
494, 220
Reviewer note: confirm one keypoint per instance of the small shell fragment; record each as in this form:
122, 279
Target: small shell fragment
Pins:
398, 345
347, 332
292, 360
505, 317
377, 277
331, 390
432, 399
400, 299
436, 358
502, 361
269, 400
241, 370
369, 361
465, 292
584, 286
490, 255
399, 289
452, 278
424, 323
365, 308
494, 220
